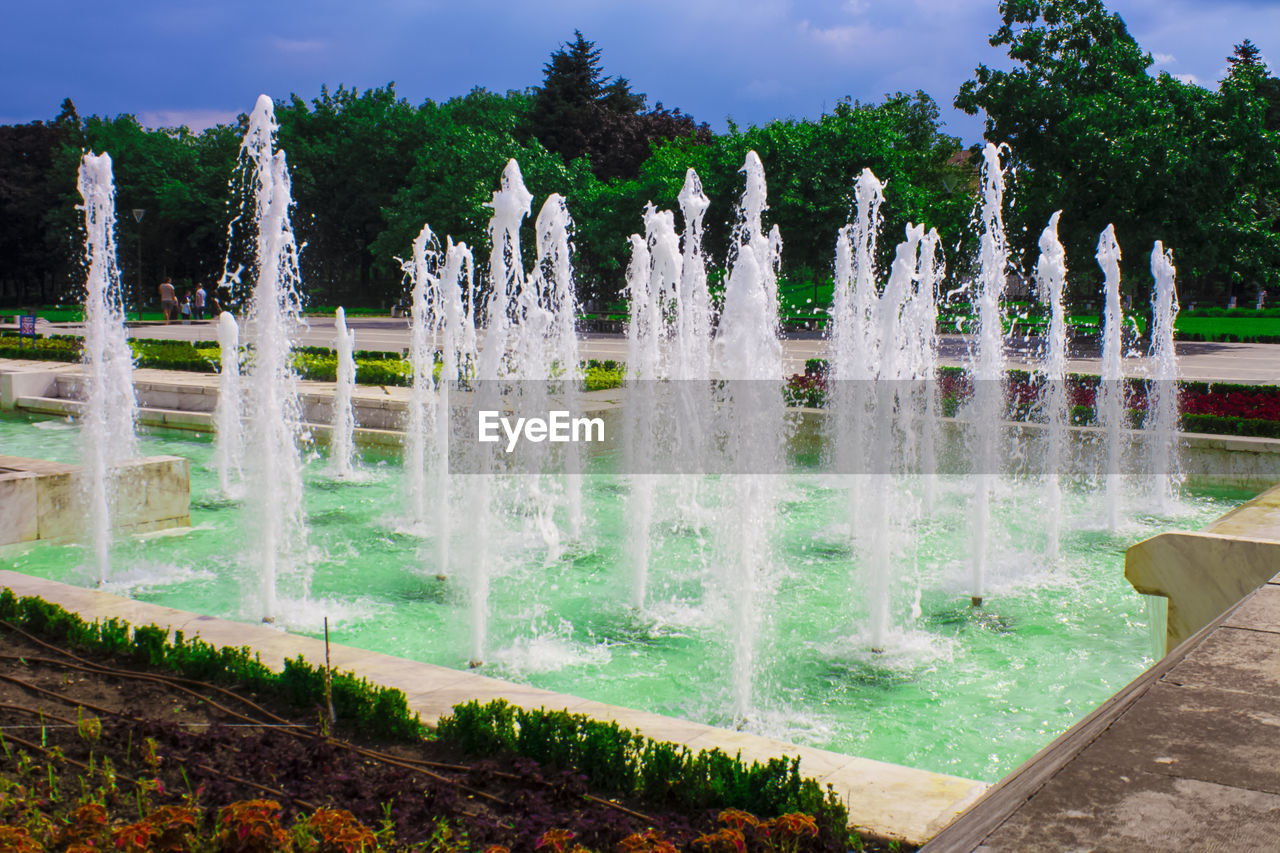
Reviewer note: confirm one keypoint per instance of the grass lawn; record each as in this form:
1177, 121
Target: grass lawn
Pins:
1239, 326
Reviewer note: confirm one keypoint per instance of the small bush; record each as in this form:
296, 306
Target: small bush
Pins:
381, 711
627, 764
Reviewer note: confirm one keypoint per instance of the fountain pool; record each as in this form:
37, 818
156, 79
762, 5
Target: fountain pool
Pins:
960, 691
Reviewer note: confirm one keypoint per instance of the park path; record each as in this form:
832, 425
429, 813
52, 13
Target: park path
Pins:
1221, 362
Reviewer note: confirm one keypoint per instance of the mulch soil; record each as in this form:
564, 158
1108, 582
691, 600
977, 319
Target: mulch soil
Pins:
221, 746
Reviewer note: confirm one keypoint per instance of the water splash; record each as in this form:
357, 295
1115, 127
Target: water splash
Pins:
227, 417
1051, 277
273, 465
342, 421
110, 406
1162, 393
1110, 401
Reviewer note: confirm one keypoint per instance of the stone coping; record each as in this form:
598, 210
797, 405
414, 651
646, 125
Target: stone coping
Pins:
1204, 572
885, 800
43, 500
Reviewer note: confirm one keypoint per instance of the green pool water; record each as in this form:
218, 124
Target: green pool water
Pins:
971, 693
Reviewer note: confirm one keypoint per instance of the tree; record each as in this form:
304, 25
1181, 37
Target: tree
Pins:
564, 109
579, 112
348, 154
465, 145
35, 255
1246, 62
1094, 134
810, 167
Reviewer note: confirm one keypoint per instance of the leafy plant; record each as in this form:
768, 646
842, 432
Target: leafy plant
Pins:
616, 760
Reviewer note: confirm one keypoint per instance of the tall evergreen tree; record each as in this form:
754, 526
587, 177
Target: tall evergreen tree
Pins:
581, 112
564, 109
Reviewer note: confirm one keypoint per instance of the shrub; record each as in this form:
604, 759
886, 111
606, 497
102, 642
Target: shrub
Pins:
379, 710
627, 764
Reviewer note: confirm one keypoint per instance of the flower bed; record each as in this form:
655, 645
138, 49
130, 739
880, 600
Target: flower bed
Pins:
1218, 408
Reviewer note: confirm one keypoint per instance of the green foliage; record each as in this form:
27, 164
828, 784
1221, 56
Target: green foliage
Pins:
602, 375
811, 168
621, 762
349, 153
1219, 425
359, 704
1100, 138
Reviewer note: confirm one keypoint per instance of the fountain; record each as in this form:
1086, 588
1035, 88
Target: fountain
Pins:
273, 465
730, 603
1162, 391
229, 413
109, 401
1051, 277
1111, 386
342, 421
747, 353
988, 364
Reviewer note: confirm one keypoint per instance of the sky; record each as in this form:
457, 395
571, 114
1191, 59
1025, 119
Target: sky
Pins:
173, 62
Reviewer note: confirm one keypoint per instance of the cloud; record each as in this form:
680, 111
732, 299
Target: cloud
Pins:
1164, 58
194, 119
300, 46
1188, 78
839, 37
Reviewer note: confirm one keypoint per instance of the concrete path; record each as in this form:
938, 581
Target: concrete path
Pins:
1186, 757
1224, 362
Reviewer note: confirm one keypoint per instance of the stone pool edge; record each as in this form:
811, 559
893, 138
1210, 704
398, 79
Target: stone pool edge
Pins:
885, 800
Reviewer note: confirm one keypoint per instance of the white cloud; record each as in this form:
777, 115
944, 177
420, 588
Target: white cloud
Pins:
1164, 58
1188, 78
299, 46
197, 120
840, 37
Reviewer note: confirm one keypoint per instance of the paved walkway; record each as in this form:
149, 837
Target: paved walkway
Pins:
1187, 757
1223, 362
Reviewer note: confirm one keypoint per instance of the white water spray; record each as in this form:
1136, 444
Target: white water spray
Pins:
107, 432
748, 354
273, 465
1051, 277
1162, 394
1111, 392
227, 417
342, 421
987, 367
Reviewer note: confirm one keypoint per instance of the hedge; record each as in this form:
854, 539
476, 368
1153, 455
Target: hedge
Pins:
358, 704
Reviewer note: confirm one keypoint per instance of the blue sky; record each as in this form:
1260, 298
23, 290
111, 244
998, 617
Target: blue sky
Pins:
179, 62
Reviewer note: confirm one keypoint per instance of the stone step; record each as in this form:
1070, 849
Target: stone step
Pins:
198, 421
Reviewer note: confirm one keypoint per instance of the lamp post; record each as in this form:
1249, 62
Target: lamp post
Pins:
138, 213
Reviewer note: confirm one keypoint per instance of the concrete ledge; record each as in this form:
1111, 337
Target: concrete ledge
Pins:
1204, 573
886, 800
45, 500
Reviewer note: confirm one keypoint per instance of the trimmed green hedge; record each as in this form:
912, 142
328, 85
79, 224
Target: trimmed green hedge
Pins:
1219, 425
359, 705
627, 764
318, 363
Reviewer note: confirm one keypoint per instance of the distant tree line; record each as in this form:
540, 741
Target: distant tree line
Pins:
1090, 130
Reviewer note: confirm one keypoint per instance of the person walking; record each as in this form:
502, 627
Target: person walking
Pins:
186, 308
197, 302
168, 301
